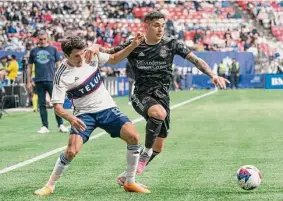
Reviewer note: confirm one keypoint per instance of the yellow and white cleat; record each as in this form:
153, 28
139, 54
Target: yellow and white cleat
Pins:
134, 187
46, 190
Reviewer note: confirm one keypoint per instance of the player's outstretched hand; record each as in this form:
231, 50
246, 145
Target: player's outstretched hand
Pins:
220, 82
90, 52
139, 37
77, 124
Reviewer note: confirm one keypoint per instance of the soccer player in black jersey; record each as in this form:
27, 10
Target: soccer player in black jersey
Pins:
152, 65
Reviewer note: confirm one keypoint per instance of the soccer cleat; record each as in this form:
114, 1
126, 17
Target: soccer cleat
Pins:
43, 129
46, 190
141, 166
134, 187
144, 158
63, 129
121, 181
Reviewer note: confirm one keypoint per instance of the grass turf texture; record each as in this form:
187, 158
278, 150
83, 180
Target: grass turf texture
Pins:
210, 139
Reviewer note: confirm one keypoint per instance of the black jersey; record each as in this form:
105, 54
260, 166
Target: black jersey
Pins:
152, 64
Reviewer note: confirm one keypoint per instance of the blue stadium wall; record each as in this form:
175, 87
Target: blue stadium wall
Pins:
199, 81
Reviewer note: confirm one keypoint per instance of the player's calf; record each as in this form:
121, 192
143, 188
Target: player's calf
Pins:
157, 148
61, 165
130, 135
157, 115
153, 127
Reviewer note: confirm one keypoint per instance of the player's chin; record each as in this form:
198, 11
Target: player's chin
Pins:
158, 37
80, 64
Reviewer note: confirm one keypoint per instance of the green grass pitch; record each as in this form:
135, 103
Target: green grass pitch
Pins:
210, 139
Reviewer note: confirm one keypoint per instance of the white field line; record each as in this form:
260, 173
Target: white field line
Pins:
47, 154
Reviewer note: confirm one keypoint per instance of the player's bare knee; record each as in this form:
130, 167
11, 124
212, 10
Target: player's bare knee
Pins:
133, 139
157, 112
71, 153
130, 134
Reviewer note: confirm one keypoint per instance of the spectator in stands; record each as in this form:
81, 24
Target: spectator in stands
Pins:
253, 49
235, 73
13, 68
3, 62
3, 67
45, 59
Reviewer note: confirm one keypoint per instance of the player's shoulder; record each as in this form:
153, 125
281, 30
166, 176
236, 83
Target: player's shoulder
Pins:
168, 39
61, 73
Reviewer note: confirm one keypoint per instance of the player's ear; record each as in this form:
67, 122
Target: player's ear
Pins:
145, 25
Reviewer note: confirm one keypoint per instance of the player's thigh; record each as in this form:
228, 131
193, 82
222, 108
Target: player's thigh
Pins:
90, 122
147, 106
112, 121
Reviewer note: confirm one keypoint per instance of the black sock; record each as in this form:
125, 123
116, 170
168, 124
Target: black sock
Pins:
155, 153
153, 127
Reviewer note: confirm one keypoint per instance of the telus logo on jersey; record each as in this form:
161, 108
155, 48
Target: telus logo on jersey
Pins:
90, 85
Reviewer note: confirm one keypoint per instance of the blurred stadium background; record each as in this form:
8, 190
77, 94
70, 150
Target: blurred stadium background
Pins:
211, 137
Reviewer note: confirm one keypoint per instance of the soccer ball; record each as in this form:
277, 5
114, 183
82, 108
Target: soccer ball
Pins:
249, 177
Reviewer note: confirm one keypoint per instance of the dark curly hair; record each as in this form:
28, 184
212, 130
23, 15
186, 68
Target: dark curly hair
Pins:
72, 42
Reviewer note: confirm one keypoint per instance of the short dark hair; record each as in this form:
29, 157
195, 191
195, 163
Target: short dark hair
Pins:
153, 15
72, 42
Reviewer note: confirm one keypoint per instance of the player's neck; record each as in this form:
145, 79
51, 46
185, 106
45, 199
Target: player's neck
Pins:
71, 65
151, 42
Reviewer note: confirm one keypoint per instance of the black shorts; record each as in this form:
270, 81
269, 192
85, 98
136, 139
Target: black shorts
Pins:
142, 102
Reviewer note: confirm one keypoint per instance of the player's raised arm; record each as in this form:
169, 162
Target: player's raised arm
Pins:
200, 64
219, 82
117, 53
121, 55
185, 52
115, 49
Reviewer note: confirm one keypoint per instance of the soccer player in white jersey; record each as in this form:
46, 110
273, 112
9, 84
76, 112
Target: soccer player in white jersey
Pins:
93, 107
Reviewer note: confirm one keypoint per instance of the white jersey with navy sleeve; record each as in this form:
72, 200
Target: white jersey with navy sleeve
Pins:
83, 85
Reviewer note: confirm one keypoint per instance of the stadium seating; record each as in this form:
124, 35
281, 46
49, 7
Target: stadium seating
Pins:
215, 26
108, 19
